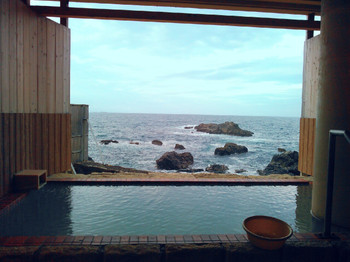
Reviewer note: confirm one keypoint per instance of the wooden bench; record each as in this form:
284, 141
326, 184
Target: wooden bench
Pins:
30, 179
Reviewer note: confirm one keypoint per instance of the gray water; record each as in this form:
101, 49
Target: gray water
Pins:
148, 210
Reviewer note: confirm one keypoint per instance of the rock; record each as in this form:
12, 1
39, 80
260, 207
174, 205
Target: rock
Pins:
157, 142
188, 127
284, 163
90, 158
217, 168
175, 161
281, 150
179, 147
106, 142
88, 167
133, 143
229, 149
190, 170
238, 171
227, 128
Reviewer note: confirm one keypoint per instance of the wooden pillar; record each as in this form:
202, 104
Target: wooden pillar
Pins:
64, 4
310, 33
333, 110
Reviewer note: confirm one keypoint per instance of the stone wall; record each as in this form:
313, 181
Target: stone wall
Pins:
300, 251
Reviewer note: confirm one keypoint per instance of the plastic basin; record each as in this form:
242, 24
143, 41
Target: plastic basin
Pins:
267, 232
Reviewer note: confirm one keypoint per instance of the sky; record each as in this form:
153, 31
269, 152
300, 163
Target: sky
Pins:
145, 67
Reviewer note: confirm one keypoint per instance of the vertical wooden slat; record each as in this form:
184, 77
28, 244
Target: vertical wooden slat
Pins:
59, 69
51, 67
33, 56
26, 62
63, 152
301, 137
45, 141
12, 58
66, 74
69, 141
12, 136
51, 138
38, 141
18, 142
23, 141
19, 53
42, 42
4, 50
57, 143
26, 140
31, 141
6, 145
1, 154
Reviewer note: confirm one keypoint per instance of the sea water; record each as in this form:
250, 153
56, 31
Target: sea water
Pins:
270, 133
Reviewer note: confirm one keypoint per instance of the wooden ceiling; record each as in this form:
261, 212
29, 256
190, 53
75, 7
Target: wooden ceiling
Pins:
293, 7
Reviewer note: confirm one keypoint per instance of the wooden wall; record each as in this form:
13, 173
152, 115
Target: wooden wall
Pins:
34, 93
309, 105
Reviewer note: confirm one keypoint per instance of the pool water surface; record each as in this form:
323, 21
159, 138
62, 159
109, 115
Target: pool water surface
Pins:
59, 209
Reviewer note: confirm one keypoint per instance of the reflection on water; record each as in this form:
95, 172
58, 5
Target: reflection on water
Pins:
303, 219
137, 210
42, 213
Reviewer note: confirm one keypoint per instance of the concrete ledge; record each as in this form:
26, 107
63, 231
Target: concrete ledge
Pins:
306, 251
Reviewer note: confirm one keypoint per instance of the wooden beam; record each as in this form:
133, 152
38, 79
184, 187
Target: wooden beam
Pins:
176, 18
271, 6
64, 4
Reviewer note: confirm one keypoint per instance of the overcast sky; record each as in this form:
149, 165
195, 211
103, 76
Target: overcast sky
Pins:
139, 67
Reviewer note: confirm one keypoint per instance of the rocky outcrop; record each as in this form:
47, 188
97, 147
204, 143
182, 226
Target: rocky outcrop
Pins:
281, 150
238, 171
175, 161
157, 142
284, 163
134, 143
88, 167
188, 127
229, 149
217, 168
227, 128
179, 147
106, 142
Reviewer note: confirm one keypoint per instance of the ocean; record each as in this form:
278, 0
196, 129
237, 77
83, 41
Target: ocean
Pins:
270, 133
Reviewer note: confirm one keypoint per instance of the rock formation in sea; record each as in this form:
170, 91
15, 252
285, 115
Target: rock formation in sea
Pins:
134, 143
284, 163
227, 128
106, 142
174, 161
157, 142
179, 147
188, 127
281, 150
229, 149
217, 168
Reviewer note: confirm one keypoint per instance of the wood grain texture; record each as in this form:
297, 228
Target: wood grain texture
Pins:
5, 51
310, 77
307, 145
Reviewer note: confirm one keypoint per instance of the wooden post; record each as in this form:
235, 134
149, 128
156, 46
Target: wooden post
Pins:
64, 4
310, 33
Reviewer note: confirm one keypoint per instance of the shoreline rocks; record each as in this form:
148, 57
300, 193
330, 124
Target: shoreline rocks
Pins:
157, 142
284, 163
174, 161
229, 149
88, 167
108, 141
227, 128
217, 168
179, 147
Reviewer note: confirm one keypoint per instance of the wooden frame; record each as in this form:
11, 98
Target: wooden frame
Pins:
147, 16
